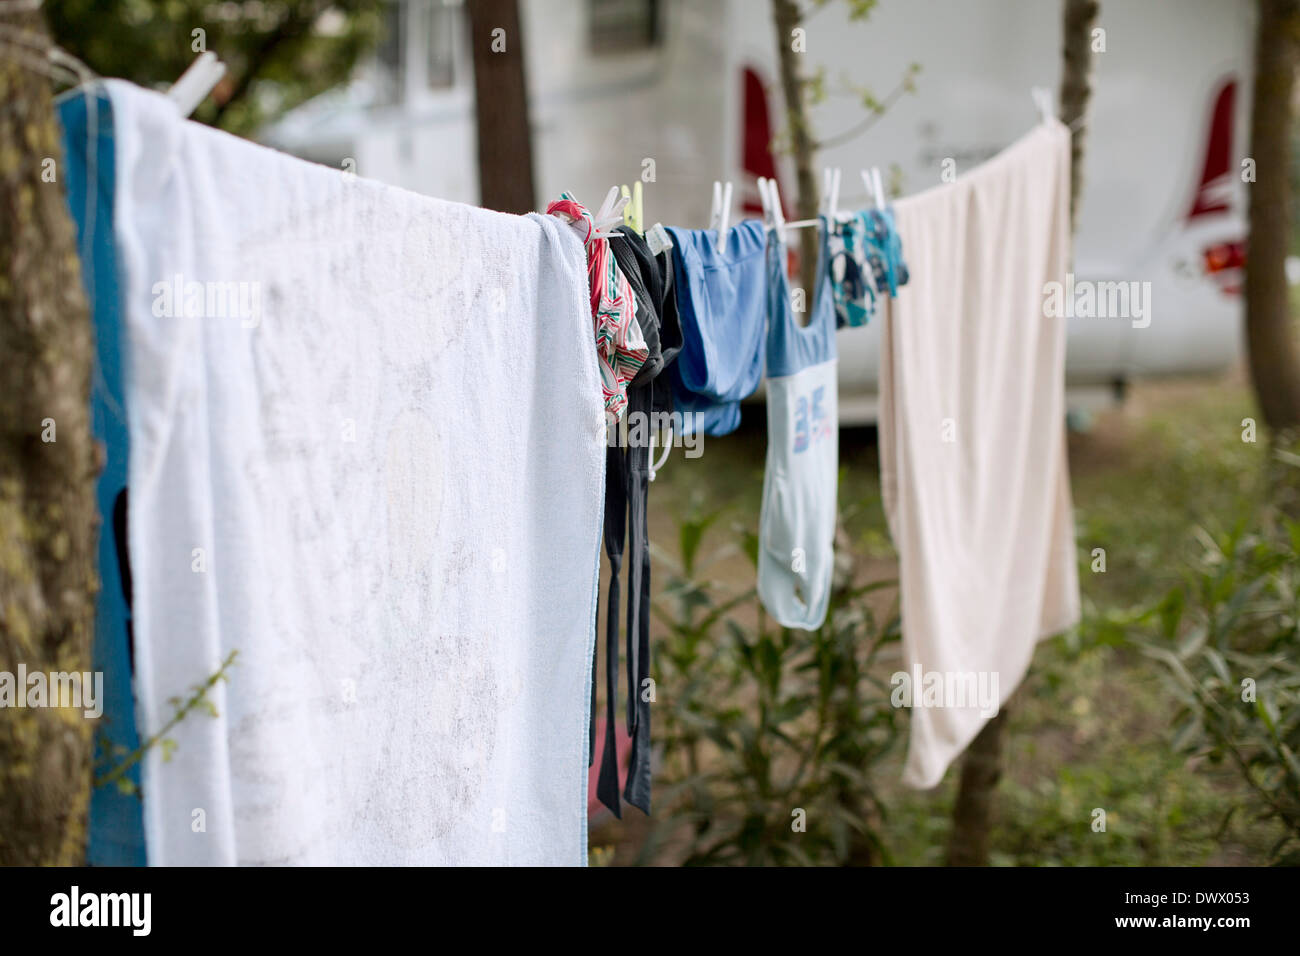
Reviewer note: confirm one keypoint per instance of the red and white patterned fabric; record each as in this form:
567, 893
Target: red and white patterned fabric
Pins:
619, 344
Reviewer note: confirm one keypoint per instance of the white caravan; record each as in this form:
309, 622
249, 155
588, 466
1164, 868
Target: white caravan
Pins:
680, 93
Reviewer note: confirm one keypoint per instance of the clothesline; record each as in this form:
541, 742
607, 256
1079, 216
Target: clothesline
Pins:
689, 326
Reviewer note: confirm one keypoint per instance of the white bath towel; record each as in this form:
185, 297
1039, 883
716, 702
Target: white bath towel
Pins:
972, 441
367, 451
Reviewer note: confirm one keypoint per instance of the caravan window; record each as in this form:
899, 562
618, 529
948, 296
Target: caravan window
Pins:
418, 48
617, 26
391, 55
443, 21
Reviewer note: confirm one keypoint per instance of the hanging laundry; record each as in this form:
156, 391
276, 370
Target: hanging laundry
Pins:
866, 259
972, 443
656, 271
366, 450
797, 522
619, 343
721, 303
115, 831
626, 502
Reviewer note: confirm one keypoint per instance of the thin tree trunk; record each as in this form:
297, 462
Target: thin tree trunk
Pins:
1076, 87
803, 147
48, 519
505, 150
972, 815
1269, 340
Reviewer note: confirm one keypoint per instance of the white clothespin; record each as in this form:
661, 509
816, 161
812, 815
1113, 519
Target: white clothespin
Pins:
831, 187
771, 197
657, 238
874, 185
196, 82
604, 221
1043, 99
610, 215
720, 212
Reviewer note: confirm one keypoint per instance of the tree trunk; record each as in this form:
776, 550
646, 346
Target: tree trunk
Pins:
1076, 87
505, 151
48, 519
1268, 319
972, 815
786, 15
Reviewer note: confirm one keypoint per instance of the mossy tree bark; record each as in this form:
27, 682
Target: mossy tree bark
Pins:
48, 518
1269, 336
972, 815
803, 147
1076, 87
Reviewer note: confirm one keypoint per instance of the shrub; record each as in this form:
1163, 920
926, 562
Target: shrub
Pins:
767, 736
1229, 644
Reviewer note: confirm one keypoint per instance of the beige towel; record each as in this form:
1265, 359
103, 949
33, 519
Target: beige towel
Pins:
972, 441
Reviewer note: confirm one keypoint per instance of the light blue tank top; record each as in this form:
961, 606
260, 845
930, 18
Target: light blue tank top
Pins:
797, 523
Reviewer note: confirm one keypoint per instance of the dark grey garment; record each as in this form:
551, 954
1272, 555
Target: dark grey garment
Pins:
626, 502
647, 309
657, 276
637, 791
615, 528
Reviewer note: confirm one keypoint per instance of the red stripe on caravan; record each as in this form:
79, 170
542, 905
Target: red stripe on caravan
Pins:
756, 140
1212, 191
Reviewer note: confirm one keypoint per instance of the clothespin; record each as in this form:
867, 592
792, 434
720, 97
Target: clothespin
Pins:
1043, 99
720, 213
609, 215
874, 185
773, 206
196, 82
632, 212
831, 189
657, 238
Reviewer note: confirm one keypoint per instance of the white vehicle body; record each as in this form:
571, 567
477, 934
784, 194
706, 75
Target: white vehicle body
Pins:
670, 92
